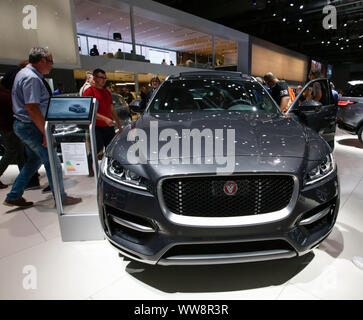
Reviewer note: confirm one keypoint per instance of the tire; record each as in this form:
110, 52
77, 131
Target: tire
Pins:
360, 134
2, 146
332, 144
2, 150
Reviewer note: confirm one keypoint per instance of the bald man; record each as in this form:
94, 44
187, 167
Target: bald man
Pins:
279, 90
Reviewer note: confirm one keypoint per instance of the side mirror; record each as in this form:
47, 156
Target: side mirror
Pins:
137, 106
309, 106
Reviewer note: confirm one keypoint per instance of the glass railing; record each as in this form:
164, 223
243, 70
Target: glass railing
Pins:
123, 50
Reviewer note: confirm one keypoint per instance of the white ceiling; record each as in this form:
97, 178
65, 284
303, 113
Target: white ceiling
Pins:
93, 19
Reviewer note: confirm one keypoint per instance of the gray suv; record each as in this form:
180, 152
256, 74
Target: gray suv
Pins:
350, 112
212, 172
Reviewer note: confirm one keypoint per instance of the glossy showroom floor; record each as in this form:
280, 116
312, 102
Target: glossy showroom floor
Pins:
93, 270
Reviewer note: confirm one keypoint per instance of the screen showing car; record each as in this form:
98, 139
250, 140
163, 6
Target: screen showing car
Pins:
69, 108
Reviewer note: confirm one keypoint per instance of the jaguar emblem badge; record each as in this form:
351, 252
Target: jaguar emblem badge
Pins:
230, 188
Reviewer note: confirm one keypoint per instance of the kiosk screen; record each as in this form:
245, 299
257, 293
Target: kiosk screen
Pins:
74, 108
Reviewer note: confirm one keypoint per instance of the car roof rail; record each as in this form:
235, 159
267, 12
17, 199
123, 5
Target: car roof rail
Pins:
212, 73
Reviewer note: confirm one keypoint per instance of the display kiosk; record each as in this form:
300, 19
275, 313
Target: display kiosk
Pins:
78, 111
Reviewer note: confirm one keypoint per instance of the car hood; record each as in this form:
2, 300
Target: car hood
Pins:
249, 135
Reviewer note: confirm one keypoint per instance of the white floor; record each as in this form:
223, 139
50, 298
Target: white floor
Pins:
36, 264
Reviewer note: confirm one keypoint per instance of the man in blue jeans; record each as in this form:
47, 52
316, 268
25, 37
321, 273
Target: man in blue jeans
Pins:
30, 97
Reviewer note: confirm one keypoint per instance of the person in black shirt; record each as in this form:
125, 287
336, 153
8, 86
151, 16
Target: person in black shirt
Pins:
94, 51
279, 90
315, 91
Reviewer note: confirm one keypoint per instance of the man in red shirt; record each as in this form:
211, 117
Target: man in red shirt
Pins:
105, 130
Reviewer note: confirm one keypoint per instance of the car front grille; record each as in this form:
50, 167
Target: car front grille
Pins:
206, 196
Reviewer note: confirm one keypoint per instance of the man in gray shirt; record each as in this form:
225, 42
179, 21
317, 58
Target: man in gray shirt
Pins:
30, 97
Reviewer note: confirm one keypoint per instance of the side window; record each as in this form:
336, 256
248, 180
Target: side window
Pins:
160, 102
317, 91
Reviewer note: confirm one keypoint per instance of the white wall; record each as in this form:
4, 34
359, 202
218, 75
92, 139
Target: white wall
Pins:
25, 24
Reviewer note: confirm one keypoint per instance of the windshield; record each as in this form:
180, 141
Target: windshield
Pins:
354, 91
205, 95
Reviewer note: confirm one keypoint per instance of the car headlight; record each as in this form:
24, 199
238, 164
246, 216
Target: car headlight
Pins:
325, 168
115, 171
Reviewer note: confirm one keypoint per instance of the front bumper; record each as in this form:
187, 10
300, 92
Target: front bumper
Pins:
134, 223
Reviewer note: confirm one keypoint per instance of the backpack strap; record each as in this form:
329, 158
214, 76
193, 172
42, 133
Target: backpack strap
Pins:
46, 84
292, 98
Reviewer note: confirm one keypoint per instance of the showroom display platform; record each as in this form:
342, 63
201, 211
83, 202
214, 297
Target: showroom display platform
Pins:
93, 269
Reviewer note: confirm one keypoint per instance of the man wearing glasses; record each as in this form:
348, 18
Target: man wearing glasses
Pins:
30, 96
106, 112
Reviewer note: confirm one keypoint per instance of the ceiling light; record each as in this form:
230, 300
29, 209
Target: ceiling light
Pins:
274, 15
301, 7
308, 30
341, 48
300, 20
345, 24
322, 42
291, 4
284, 19
360, 46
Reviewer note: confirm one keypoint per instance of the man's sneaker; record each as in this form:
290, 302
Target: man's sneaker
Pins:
46, 190
18, 203
67, 201
33, 185
358, 261
3, 186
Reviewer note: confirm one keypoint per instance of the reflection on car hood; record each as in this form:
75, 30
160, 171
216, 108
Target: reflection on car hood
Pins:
61, 129
254, 134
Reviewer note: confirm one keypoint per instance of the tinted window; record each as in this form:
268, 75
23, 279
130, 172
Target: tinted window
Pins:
117, 99
212, 95
355, 91
318, 90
